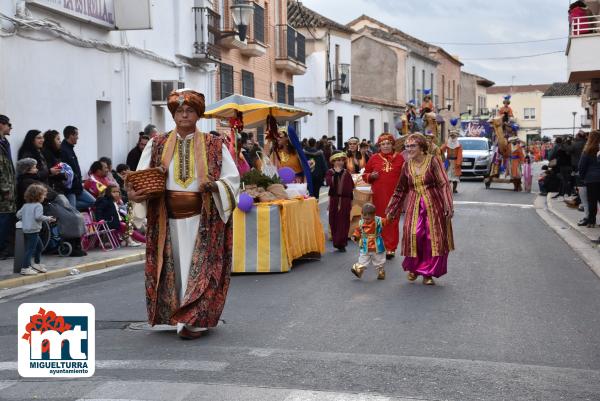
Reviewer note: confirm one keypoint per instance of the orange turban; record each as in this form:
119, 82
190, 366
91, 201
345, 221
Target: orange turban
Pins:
190, 97
385, 137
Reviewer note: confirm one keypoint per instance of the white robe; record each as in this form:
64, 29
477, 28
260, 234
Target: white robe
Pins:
183, 231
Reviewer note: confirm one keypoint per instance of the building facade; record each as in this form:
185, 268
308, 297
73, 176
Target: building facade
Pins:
77, 69
563, 110
447, 98
473, 96
583, 63
526, 103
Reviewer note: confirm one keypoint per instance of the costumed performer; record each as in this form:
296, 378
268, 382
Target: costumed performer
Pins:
370, 242
189, 236
452, 153
357, 159
382, 172
517, 158
424, 191
341, 185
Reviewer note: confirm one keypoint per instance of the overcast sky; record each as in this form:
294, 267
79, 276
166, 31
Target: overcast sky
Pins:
475, 21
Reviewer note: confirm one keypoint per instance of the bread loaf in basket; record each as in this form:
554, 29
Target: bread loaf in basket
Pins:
152, 180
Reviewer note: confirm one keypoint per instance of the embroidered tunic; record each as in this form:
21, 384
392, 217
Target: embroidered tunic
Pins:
453, 159
389, 167
188, 260
432, 188
370, 235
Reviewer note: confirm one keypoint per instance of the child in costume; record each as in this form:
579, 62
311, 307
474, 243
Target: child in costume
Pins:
370, 242
341, 185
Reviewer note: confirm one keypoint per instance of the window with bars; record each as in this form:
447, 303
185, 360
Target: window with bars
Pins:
247, 83
226, 78
290, 94
280, 92
259, 23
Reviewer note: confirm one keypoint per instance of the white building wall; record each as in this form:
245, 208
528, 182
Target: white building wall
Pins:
420, 64
54, 83
311, 94
557, 116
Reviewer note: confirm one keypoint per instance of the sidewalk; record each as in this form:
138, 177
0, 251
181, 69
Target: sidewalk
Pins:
571, 216
59, 266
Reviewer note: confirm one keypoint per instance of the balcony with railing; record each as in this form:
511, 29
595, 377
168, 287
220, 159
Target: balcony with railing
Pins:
256, 41
290, 50
583, 48
342, 81
207, 30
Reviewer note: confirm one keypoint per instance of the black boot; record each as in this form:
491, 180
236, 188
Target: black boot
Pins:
454, 186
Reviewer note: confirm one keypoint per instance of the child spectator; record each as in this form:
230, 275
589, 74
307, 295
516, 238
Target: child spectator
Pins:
341, 186
32, 216
111, 209
370, 242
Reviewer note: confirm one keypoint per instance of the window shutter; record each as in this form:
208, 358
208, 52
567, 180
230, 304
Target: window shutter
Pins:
259, 23
226, 77
280, 92
290, 95
247, 83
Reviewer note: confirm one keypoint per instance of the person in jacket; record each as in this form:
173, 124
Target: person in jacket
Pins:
133, 157
51, 152
563, 166
7, 190
317, 164
33, 146
589, 169
77, 196
32, 217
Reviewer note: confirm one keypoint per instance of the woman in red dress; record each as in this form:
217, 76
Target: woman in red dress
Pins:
382, 172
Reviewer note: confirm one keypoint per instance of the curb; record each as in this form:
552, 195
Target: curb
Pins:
567, 221
64, 272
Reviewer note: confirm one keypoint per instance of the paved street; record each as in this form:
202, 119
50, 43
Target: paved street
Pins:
516, 318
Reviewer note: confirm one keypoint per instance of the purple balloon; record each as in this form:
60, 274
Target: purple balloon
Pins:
287, 175
245, 203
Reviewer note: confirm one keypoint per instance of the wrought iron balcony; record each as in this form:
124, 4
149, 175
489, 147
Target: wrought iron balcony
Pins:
206, 27
290, 50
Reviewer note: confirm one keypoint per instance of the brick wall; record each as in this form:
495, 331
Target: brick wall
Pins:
263, 67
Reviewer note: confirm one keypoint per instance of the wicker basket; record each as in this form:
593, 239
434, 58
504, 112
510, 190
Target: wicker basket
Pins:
361, 197
152, 180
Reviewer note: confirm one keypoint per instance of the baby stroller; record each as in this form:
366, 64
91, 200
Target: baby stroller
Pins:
65, 234
52, 241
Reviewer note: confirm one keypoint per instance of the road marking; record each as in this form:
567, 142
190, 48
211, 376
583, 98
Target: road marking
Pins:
302, 395
200, 366
517, 205
5, 385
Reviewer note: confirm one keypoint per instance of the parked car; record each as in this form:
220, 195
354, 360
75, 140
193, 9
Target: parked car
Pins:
477, 156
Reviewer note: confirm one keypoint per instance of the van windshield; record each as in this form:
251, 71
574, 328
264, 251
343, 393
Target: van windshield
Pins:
472, 144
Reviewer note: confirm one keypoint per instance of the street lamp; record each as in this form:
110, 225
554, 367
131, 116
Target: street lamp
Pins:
574, 114
241, 12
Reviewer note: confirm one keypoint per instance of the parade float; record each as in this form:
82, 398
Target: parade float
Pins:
507, 152
276, 222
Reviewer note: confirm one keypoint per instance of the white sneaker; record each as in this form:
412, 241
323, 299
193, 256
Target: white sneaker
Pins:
40, 267
132, 243
28, 271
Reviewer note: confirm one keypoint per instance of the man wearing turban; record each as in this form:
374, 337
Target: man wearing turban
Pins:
189, 237
382, 172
